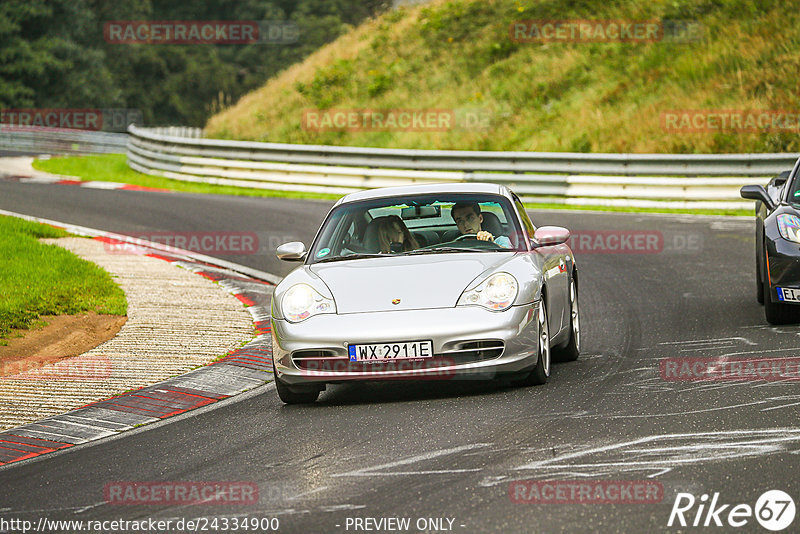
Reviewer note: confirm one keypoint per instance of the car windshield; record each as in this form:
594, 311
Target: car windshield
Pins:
794, 193
421, 224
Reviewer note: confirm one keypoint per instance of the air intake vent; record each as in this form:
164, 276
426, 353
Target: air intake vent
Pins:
319, 360
476, 351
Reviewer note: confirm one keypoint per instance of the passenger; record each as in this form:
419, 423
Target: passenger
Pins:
468, 218
393, 235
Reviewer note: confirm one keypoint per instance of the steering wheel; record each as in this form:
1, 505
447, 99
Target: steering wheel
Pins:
465, 236
479, 244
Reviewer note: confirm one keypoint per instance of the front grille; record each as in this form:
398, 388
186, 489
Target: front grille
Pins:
463, 352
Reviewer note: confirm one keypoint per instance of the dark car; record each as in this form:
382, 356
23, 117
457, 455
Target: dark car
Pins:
778, 245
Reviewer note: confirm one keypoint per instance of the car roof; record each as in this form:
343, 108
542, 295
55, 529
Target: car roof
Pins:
421, 189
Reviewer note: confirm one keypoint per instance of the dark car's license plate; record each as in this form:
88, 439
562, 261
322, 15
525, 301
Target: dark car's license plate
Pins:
788, 295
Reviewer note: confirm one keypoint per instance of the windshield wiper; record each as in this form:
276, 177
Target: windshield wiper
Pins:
353, 257
449, 249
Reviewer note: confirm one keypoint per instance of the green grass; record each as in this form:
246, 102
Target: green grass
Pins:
114, 168
39, 279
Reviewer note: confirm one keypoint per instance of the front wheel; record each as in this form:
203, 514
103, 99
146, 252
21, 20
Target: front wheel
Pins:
759, 276
572, 349
295, 394
541, 372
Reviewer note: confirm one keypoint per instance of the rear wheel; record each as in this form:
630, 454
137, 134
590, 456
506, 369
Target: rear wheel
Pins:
572, 349
541, 372
295, 394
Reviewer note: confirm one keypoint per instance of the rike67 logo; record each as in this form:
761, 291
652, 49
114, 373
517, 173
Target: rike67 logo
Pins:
774, 510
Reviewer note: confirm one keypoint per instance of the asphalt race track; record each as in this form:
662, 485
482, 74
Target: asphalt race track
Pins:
452, 450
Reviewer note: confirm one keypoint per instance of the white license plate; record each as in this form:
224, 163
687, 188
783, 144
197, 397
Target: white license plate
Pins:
788, 295
379, 352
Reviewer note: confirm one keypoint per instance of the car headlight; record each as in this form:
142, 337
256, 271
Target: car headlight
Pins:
495, 293
789, 226
301, 301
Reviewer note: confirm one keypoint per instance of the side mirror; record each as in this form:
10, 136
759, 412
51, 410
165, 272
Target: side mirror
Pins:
550, 235
294, 251
757, 192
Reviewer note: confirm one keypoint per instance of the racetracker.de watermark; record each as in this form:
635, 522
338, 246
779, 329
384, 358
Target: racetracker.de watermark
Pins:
194, 32
605, 31
93, 119
179, 493
634, 242
378, 120
215, 243
730, 120
86, 367
435, 368
729, 369
585, 492
396, 120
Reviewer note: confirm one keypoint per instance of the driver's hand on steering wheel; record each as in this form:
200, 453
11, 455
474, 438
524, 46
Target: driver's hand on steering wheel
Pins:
483, 235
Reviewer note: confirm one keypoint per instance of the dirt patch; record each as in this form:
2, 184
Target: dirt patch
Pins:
63, 337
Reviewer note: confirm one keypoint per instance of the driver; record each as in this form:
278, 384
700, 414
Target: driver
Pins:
468, 218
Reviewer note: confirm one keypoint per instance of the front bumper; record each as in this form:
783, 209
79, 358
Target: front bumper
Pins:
468, 342
784, 266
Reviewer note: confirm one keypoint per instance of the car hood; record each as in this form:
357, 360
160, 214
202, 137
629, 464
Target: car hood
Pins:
416, 282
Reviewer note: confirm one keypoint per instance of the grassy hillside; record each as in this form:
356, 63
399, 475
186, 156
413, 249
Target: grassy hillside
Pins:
589, 97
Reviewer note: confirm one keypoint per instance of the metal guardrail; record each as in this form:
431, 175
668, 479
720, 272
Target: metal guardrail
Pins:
639, 180
60, 141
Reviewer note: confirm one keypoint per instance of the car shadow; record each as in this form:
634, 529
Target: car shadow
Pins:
395, 391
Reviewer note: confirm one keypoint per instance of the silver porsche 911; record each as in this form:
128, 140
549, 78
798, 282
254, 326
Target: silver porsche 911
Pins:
439, 281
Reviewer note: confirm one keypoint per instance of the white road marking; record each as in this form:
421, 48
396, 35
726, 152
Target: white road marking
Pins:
709, 340
779, 407
707, 344
659, 473
733, 225
340, 507
690, 412
316, 490
250, 513
43, 510
636, 370
759, 351
371, 471
773, 383
702, 447
81, 510
774, 329
707, 386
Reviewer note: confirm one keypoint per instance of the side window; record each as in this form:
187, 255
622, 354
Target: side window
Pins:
351, 240
342, 241
526, 221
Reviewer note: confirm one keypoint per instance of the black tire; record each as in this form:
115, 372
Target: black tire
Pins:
572, 349
541, 372
759, 274
295, 394
778, 313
